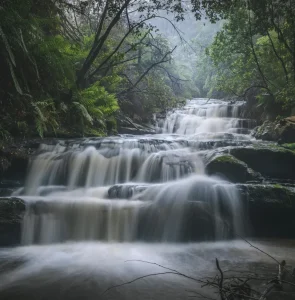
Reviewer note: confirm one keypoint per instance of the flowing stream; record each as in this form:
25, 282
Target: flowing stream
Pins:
94, 204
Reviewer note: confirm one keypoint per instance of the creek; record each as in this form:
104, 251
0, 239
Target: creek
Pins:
95, 205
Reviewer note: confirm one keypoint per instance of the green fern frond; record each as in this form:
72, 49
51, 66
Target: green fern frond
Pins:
83, 111
38, 112
40, 127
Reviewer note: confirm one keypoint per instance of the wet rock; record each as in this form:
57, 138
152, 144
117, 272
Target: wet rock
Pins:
232, 169
280, 296
197, 223
125, 191
282, 131
14, 160
136, 131
6, 184
270, 210
5, 192
128, 126
11, 210
7, 187
272, 161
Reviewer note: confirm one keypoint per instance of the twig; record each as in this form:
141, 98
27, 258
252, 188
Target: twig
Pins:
260, 250
281, 264
266, 292
170, 271
134, 280
287, 282
197, 295
221, 280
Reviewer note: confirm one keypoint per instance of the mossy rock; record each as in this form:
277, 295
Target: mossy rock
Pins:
282, 131
232, 169
272, 161
289, 146
270, 210
15, 157
11, 212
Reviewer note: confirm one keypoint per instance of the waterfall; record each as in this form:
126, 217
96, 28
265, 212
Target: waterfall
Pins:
151, 188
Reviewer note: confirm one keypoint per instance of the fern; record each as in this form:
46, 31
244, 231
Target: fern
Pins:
83, 111
38, 112
40, 127
4, 134
45, 115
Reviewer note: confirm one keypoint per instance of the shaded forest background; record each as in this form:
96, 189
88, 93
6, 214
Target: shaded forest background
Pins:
76, 68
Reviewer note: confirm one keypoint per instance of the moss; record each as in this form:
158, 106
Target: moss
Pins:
232, 169
275, 147
227, 159
270, 160
278, 186
289, 146
285, 148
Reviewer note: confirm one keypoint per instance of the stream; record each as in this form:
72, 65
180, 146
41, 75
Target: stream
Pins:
104, 212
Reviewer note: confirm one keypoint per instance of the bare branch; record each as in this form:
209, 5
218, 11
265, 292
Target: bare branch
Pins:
221, 280
163, 60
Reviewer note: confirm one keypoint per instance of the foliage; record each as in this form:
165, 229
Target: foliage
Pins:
45, 115
252, 53
70, 66
73, 65
289, 146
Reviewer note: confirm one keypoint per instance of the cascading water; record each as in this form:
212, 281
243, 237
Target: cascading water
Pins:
84, 198
145, 188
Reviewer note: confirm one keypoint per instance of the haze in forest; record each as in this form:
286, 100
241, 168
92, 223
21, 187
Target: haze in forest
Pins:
116, 62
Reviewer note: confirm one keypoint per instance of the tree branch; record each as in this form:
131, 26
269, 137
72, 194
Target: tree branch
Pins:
163, 60
278, 57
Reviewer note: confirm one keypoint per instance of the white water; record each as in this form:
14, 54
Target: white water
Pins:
95, 204
67, 189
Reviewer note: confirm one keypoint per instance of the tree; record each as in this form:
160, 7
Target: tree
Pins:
253, 53
69, 64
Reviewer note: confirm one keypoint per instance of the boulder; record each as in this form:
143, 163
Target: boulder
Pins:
282, 131
232, 169
270, 210
136, 131
125, 191
273, 161
277, 295
11, 210
190, 222
14, 159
